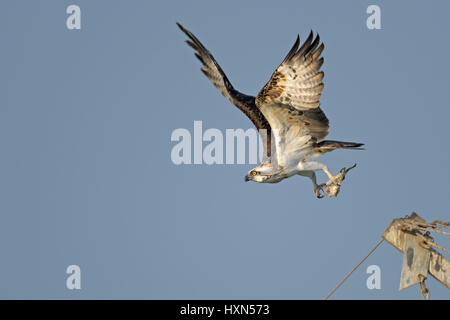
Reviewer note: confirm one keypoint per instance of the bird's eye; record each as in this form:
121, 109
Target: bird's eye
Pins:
254, 173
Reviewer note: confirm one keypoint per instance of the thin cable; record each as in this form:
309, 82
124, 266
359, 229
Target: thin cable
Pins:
348, 275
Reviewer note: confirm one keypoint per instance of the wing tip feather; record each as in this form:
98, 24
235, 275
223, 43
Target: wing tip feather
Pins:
293, 50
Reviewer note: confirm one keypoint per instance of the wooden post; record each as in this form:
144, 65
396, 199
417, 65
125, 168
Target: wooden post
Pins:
438, 265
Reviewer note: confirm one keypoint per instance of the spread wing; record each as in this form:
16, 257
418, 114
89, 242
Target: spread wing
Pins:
245, 103
290, 100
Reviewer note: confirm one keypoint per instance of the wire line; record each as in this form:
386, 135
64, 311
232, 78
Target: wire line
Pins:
350, 273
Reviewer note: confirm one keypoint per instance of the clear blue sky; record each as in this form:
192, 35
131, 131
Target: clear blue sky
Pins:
85, 170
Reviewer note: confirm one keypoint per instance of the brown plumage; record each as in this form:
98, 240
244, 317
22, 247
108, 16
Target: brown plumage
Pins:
287, 108
245, 103
330, 145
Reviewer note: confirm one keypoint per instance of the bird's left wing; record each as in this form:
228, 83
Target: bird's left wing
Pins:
244, 102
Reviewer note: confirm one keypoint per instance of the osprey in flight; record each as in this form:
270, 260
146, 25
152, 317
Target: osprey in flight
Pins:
287, 111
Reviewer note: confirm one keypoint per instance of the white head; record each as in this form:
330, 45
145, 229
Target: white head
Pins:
265, 173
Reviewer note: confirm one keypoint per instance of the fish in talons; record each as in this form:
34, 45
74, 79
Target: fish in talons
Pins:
333, 186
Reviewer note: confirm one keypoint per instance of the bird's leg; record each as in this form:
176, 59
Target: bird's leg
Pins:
314, 166
312, 176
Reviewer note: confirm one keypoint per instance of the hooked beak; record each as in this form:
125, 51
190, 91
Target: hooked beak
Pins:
247, 179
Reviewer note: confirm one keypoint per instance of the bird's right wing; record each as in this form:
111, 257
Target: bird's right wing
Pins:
244, 102
290, 101
297, 82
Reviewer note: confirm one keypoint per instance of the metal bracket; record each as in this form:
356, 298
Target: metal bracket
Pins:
416, 260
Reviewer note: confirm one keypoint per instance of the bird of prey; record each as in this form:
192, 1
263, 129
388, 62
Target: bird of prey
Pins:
287, 110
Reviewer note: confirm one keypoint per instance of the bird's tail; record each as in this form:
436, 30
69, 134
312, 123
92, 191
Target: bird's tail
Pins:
330, 145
